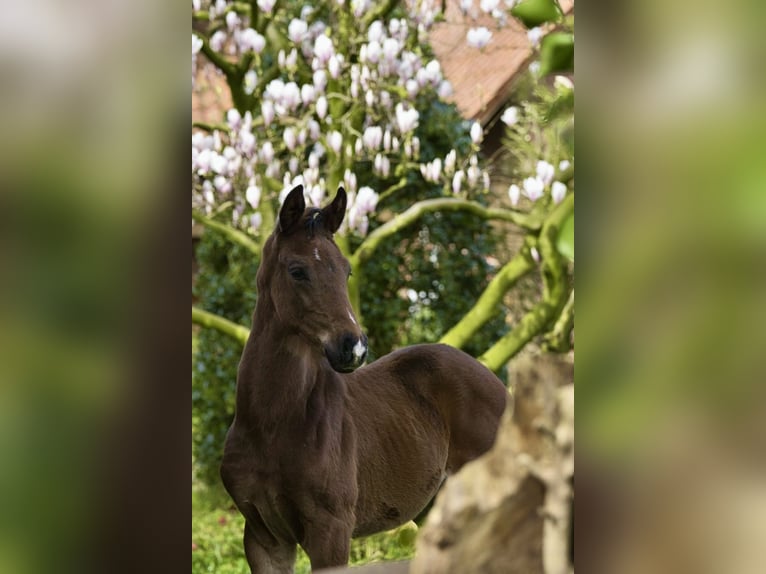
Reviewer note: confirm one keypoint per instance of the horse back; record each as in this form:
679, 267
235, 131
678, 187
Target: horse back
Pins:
420, 413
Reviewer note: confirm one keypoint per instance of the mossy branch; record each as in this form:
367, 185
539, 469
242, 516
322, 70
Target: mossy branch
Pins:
558, 340
486, 306
233, 235
222, 64
554, 293
419, 209
213, 321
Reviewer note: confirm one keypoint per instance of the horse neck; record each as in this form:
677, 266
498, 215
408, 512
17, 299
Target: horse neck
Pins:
278, 372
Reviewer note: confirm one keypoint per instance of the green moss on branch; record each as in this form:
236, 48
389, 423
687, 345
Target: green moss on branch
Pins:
213, 321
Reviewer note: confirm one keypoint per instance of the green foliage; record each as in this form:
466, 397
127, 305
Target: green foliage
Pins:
225, 286
565, 240
535, 12
557, 53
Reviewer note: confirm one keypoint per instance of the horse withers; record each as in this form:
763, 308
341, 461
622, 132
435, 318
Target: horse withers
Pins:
322, 450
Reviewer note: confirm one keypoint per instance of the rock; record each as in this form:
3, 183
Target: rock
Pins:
511, 510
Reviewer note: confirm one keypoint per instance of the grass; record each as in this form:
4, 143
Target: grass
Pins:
217, 538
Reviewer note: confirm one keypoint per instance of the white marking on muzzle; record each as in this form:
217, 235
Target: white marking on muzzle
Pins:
359, 349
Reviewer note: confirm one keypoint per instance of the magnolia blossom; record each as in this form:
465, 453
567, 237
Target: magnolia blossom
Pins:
249, 39
488, 5
323, 49
514, 194
267, 112
545, 172
431, 171
266, 5
465, 6
564, 165
296, 30
476, 133
321, 107
253, 195
372, 137
449, 162
406, 120
534, 35
535, 254
457, 181
251, 81
289, 138
320, 80
510, 116
558, 191
217, 40
478, 37
335, 141
533, 188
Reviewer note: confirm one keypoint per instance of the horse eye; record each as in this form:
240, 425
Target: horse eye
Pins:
298, 273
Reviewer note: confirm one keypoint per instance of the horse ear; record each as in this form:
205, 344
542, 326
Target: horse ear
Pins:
292, 209
334, 213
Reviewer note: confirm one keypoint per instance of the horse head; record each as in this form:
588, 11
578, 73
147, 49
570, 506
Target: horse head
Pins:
305, 276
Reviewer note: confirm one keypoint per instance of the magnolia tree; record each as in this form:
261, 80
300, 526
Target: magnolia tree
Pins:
331, 95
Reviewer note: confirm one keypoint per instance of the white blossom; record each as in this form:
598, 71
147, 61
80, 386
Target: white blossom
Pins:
564, 165
196, 44
251, 81
232, 20
323, 49
488, 6
372, 137
217, 40
249, 39
335, 140
267, 112
514, 194
321, 107
289, 138
476, 133
545, 172
558, 191
266, 5
253, 195
533, 188
478, 37
510, 116
308, 93
296, 30
406, 120
534, 35
457, 181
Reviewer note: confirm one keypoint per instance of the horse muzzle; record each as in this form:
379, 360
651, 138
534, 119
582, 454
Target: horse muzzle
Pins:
348, 353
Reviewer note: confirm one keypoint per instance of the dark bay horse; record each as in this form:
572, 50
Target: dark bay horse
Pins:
320, 450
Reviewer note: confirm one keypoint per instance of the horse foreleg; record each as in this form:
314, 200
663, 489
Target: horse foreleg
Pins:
327, 542
264, 554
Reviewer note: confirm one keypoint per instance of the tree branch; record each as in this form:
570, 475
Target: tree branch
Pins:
233, 235
213, 321
558, 339
486, 306
378, 13
417, 210
225, 66
554, 291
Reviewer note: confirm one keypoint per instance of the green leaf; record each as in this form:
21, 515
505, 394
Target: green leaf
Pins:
535, 12
565, 240
557, 53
